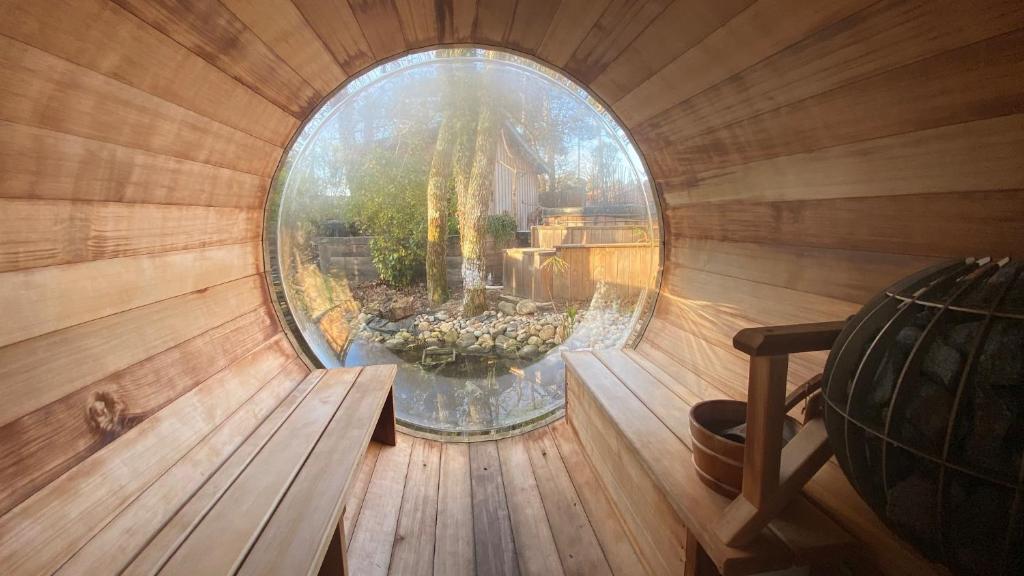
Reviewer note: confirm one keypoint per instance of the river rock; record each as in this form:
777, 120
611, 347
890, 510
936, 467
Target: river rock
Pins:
423, 326
465, 341
507, 308
450, 336
526, 307
529, 351
534, 341
475, 349
547, 332
395, 344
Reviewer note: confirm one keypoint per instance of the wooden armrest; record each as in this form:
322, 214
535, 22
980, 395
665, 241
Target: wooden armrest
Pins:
778, 340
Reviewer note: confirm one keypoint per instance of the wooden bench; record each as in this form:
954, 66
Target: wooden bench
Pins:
632, 419
274, 506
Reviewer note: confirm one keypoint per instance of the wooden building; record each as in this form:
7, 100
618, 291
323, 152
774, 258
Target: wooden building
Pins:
805, 154
519, 177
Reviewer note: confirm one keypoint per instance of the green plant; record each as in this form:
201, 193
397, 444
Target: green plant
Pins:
553, 265
388, 203
502, 229
640, 234
570, 318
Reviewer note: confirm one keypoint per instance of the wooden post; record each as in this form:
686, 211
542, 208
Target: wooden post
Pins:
335, 562
766, 398
384, 432
698, 563
773, 476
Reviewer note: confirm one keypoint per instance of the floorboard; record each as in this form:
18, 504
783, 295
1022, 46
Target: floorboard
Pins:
535, 545
369, 553
413, 553
530, 504
492, 524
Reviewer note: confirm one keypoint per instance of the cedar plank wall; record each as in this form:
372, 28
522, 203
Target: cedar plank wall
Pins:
807, 154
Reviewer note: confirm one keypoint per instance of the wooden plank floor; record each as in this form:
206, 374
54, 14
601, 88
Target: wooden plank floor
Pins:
519, 506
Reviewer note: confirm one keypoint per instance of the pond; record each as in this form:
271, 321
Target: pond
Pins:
455, 389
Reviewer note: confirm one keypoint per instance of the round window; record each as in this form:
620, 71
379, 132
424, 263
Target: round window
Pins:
468, 214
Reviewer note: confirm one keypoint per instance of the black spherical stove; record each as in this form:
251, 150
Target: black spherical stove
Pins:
925, 411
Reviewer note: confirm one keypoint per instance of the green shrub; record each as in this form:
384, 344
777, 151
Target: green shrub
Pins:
502, 229
389, 203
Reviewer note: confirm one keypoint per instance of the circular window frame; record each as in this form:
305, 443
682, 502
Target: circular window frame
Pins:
275, 193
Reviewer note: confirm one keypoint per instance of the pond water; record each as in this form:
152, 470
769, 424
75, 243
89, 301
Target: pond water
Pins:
472, 394
488, 394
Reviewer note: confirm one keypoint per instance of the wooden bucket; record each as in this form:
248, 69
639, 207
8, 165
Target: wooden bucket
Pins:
719, 460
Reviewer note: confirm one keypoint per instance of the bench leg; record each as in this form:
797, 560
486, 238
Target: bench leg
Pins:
385, 430
336, 560
698, 563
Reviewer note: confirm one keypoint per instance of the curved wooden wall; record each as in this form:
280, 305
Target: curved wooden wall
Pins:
807, 154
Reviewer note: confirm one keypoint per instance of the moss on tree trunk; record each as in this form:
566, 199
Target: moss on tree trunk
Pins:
474, 201
438, 186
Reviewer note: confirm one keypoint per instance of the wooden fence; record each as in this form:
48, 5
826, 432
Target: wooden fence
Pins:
551, 236
626, 269
350, 256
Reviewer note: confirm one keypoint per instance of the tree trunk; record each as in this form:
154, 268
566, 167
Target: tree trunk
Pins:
438, 187
474, 202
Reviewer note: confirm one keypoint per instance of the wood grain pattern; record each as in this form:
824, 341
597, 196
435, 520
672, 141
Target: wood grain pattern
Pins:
165, 542
492, 526
682, 25
280, 25
493, 21
419, 22
616, 542
381, 26
453, 540
535, 546
852, 276
568, 28
530, 24
42, 90
658, 534
940, 225
36, 300
298, 534
334, 22
578, 547
413, 553
358, 491
40, 446
809, 153
982, 155
879, 38
52, 232
543, 484
155, 64
212, 31
241, 513
975, 82
620, 24
722, 55
116, 545
43, 164
84, 499
35, 372
370, 550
